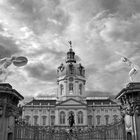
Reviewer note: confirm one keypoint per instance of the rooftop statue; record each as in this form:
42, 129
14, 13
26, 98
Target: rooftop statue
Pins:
70, 42
6, 62
134, 68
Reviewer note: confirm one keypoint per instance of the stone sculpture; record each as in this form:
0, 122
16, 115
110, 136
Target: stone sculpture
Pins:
6, 62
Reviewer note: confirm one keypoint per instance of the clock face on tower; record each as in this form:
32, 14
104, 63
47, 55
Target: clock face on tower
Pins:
71, 79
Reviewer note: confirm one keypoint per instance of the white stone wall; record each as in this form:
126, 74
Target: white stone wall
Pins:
40, 113
102, 111
93, 111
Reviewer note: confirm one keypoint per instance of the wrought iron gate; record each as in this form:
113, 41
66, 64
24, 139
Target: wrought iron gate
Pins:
110, 132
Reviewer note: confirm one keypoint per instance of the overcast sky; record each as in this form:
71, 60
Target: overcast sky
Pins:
40, 30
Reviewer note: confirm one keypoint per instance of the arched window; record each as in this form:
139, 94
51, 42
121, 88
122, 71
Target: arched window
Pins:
62, 117
98, 119
61, 89
71, 112
80, 117
35, 120
71, 88
52, 120
80, 89
107, 119
44, 120
89, 120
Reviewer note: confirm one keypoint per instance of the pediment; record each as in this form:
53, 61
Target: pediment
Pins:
71, 102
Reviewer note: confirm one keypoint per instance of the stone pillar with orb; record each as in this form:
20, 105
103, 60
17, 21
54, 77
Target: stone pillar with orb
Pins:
130, 108
9, 98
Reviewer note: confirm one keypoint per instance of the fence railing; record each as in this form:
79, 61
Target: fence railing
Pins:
111, 132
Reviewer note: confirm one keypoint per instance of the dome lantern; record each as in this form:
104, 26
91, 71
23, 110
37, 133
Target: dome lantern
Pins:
70, 55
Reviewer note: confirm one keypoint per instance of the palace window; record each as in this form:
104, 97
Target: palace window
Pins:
35, 120
62, 117
71, 87
80, 89
89, 120
80, 117
61, 89
43, 120
115, 118
52, 120
107, 119
98, 119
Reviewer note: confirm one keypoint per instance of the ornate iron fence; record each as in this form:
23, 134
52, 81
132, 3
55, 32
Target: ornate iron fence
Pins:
111, 132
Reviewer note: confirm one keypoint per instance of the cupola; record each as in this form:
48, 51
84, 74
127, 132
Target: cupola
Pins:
71, 77
70, 55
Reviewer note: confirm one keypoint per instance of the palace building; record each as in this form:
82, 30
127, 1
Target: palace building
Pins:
71, 98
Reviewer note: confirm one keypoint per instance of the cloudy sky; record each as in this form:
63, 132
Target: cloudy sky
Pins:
40, 30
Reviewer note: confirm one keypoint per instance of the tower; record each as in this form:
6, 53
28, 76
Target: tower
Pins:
71, 78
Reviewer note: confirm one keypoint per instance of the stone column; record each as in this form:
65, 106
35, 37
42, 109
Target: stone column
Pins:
9, 99
130, 110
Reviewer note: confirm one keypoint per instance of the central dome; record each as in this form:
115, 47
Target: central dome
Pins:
71, 78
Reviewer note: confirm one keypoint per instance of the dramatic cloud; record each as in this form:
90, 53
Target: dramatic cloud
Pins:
8, 47
99, 30
42, 72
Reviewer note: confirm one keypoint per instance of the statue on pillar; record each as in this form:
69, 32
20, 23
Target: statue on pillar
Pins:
6, 62
134, 68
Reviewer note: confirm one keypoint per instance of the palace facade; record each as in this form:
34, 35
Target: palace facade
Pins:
71, 98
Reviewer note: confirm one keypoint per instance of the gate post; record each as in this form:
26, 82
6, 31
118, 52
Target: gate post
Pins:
130, 109
9, 99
